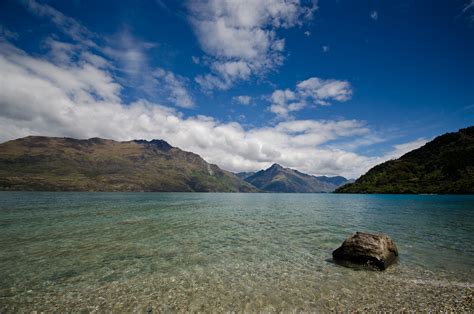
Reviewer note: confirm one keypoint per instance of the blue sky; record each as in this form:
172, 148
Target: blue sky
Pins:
327, 87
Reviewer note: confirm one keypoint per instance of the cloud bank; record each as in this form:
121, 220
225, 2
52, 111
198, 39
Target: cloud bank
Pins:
76, 89
313, 91
82, 100
121, 53
243, 100
239, 37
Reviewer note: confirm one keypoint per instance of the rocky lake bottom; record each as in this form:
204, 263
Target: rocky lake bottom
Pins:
168, 252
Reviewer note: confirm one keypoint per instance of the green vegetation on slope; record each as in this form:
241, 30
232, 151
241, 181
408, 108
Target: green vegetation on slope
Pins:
442, 166
63, 164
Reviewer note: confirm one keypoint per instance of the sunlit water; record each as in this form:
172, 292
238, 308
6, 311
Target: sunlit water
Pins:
229, 252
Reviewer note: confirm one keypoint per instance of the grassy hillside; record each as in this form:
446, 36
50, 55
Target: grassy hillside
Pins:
442, 166
64, 164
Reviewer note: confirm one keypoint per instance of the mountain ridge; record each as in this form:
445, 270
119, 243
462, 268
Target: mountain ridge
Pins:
40, 163
285, 180
244, 174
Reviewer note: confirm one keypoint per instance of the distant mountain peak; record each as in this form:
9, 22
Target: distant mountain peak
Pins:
275, 166
279, 179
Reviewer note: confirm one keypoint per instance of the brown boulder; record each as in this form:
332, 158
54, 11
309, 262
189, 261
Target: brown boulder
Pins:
376, 250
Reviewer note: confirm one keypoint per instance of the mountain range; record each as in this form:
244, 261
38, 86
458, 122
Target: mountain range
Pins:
66, 164
443, 166
244, 175
37, 163
286, 180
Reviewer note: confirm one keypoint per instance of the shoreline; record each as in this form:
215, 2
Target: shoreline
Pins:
181, 292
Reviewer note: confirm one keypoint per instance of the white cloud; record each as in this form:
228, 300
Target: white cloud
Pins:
74, 91
240, 36
66, 24
195, 60
243, 100
82, 81
469, 7
210, 81
132, 56
285, 101
319, 89
325, 48
122, 53
232, 70
130, 53
81, 100
313, 91
7, 34
175, 86
374, 15
307, 33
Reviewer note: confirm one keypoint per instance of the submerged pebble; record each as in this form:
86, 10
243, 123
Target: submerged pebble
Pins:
215, 253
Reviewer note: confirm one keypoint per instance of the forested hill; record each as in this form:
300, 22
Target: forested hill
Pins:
443, 166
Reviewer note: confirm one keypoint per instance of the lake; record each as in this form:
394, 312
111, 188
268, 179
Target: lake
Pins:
154, 252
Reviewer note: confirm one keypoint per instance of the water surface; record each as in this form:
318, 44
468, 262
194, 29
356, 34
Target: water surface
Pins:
222, 252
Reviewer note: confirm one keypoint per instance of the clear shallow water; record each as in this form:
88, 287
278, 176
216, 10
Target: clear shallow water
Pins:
220, 252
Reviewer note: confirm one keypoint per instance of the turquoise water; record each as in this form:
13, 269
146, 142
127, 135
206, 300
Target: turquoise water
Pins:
229, 252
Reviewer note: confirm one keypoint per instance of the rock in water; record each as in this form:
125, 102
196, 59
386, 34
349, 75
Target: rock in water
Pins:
376, 250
